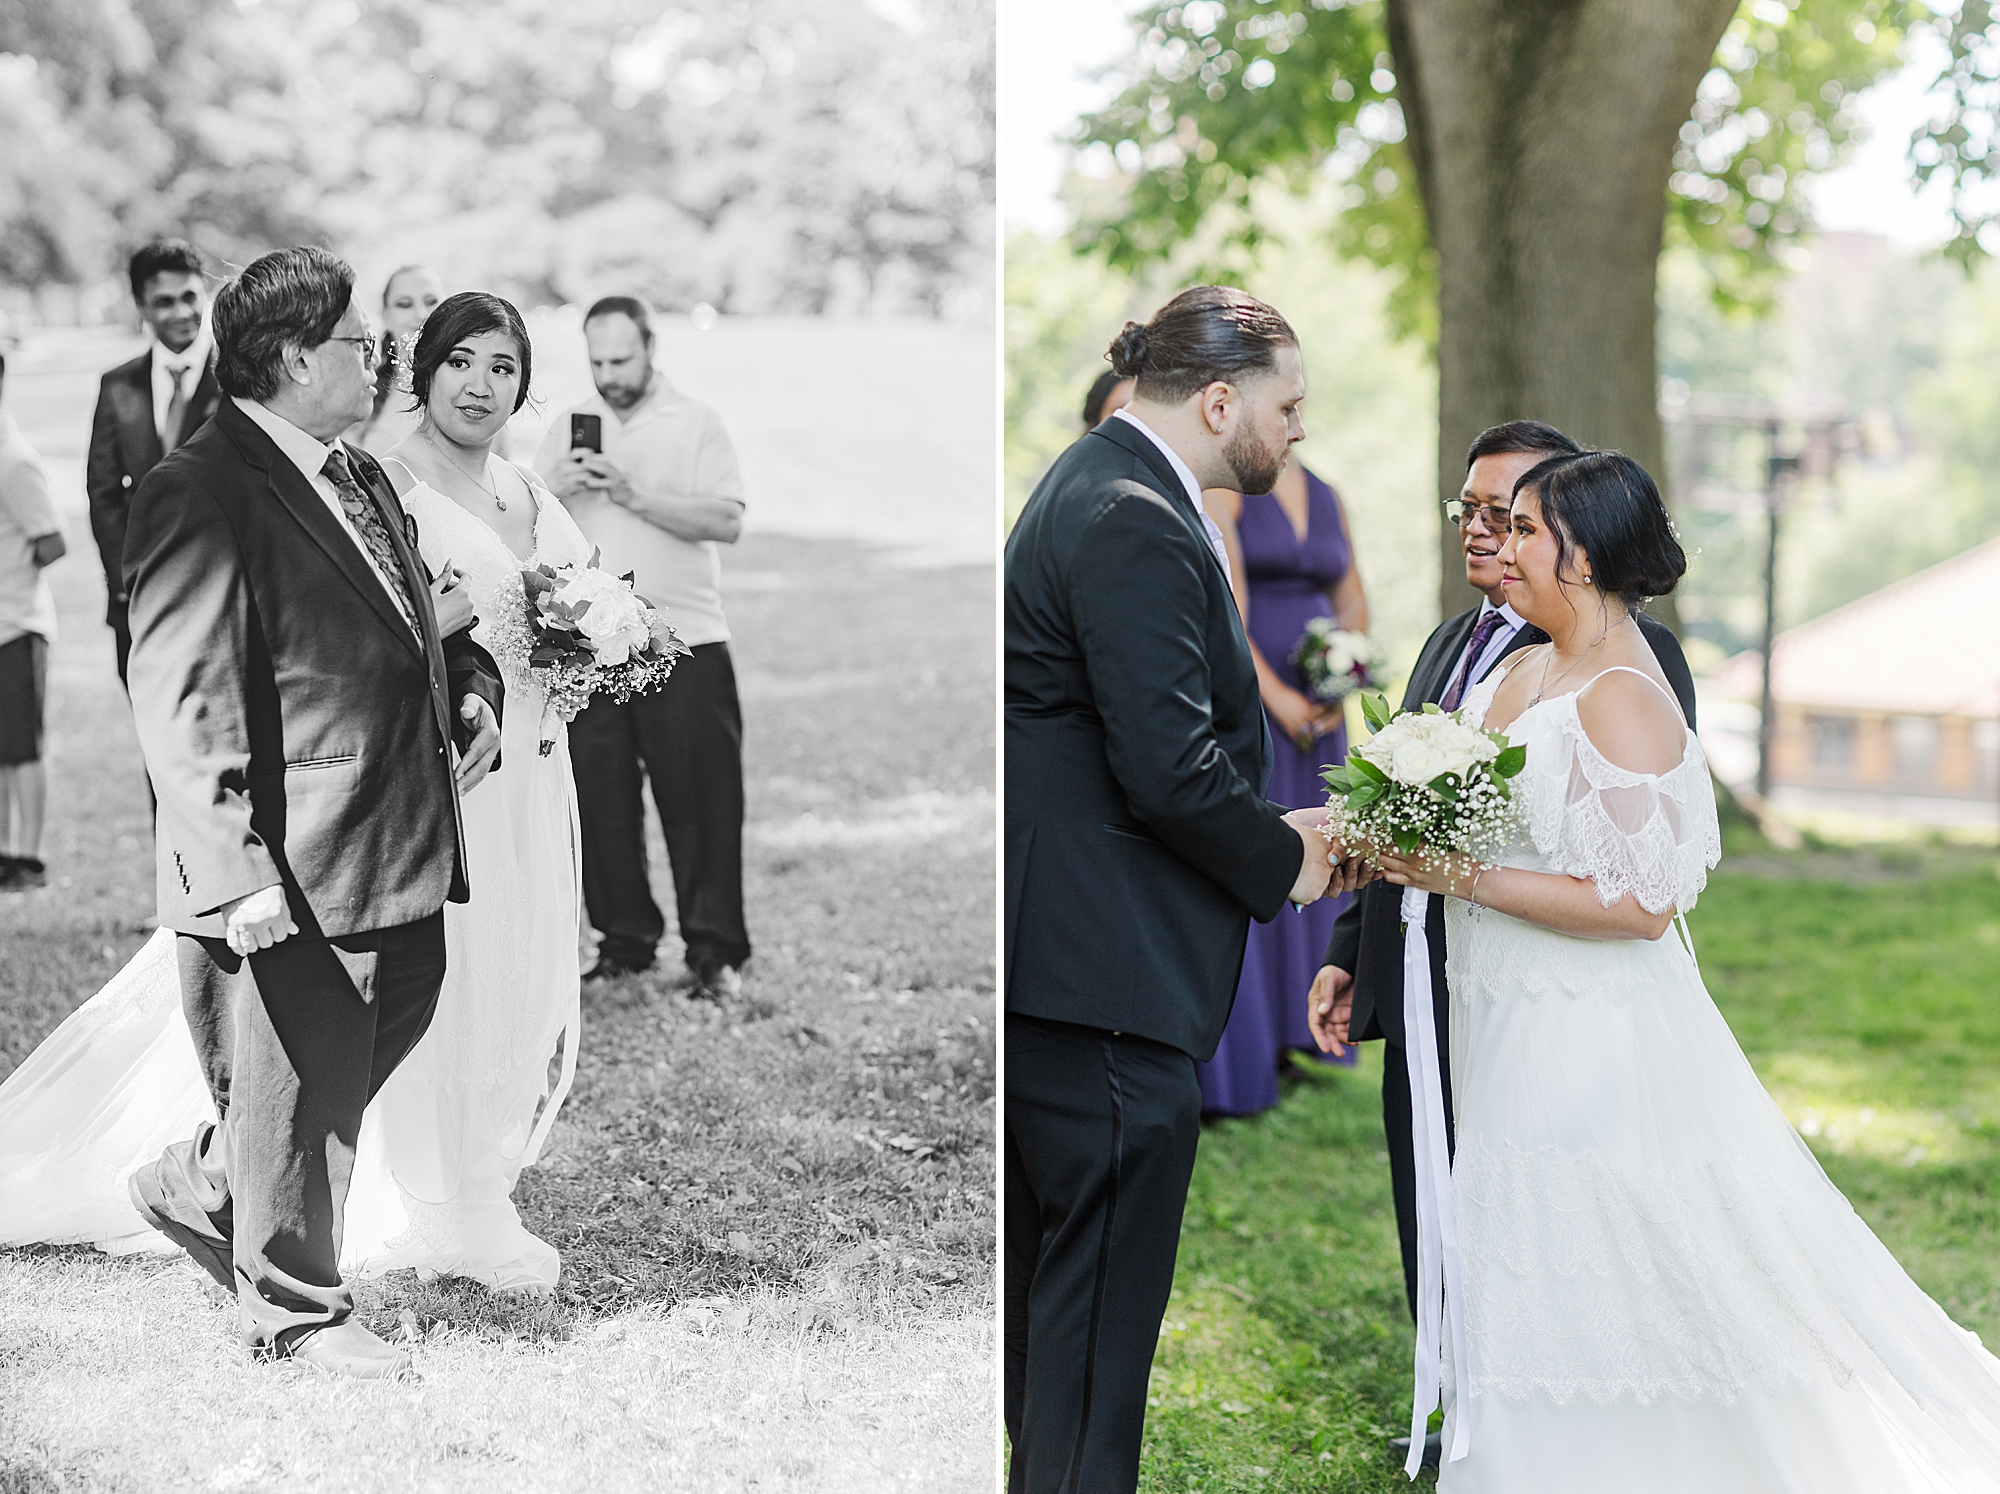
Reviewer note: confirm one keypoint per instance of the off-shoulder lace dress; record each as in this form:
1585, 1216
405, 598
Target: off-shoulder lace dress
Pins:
1662, 1290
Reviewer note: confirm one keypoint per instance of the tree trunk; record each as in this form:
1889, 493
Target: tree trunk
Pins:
1542, 132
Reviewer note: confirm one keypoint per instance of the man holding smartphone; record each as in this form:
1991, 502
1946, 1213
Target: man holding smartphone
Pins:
651, 478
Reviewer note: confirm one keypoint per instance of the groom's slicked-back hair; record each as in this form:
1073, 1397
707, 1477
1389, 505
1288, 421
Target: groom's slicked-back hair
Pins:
290, 298
1532, 437
467, 314
1208, 334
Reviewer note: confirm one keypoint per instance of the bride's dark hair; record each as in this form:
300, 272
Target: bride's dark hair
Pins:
467, 314
1607, 505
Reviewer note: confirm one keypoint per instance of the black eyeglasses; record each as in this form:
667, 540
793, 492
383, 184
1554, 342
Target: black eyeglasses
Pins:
370, 353
1496, 518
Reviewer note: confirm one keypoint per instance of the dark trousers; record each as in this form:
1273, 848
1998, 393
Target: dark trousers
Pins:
688, 736
1397, 1129
294, 1043
1100, 1144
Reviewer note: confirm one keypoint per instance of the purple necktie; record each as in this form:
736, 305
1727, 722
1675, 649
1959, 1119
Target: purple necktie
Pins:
1482, 634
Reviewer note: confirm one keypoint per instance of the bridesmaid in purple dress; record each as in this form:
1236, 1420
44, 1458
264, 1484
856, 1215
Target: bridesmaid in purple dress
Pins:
1291, 559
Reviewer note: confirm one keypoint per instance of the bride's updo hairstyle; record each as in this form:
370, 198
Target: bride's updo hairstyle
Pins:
467, 314
1208, 334
1607, 505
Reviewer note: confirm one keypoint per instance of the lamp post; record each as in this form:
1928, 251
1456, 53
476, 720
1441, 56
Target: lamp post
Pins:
1780, 468
1794, 448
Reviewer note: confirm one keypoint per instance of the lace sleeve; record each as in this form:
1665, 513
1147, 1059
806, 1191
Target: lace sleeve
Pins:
1652, 835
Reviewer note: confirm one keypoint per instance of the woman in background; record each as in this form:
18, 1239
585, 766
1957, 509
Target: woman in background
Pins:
1291, 559
409, 296
1109, 393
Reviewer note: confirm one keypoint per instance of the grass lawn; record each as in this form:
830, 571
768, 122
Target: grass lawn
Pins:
1862, 985
776, 1219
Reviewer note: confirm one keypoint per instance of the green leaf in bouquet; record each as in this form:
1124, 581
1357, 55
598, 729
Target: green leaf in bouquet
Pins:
1510, 762
1375, 710
1366, 769
596, 555
1407, 838
1339, 780
1366, 795
537, 582
1432, 708
1445, 786
630, 578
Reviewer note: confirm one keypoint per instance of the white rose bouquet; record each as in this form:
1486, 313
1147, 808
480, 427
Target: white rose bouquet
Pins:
1426, 779
1334, 660
592, 634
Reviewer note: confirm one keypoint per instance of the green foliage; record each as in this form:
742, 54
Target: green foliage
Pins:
786, 155
1225, 94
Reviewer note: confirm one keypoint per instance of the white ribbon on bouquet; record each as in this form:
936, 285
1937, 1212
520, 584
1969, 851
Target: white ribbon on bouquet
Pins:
1437, 1225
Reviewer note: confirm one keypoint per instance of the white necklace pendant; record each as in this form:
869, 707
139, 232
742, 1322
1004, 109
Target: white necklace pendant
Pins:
500, 503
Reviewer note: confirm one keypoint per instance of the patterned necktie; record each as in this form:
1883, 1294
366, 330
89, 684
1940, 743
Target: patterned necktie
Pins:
1482, 634
367, 522
176, 407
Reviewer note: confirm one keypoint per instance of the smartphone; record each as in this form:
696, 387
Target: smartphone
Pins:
586, 432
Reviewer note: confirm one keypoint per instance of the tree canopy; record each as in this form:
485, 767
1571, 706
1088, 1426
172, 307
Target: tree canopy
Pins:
757, 155
1221, 95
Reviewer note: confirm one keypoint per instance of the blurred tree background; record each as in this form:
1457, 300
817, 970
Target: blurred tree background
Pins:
1264, 143
754, 155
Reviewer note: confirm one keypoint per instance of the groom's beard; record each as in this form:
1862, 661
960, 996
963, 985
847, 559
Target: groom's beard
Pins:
1255, 465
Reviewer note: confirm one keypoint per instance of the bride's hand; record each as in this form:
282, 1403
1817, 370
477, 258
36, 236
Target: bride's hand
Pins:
1451, 877
452, 601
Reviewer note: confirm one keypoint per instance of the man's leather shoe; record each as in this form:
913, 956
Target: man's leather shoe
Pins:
716, 983
1433, 1450
213, 1256
610, 969
345, 1348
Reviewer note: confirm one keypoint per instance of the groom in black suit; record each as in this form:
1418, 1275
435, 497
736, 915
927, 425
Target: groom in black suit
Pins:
1139, 847
299, 714
1358, 994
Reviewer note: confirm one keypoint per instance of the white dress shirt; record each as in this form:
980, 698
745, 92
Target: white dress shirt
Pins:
182, 369
672, 446
309, 454
1511, 622
26, 514
1188, 481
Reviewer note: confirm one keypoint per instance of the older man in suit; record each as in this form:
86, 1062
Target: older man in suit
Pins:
1358, 994
147, 407
1139, 845
298, 709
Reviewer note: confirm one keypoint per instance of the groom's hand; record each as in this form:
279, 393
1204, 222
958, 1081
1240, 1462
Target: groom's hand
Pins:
1317, 866
257, 921
1329, 1008
478, 758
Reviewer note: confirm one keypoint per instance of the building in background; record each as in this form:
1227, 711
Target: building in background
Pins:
1890, 705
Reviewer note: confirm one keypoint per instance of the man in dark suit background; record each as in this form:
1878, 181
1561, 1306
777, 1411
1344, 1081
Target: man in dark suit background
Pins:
147, 407
1139, 845
298, 710
1358, 994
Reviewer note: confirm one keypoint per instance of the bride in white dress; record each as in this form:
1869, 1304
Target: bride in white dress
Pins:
1662, 1292
443, 1144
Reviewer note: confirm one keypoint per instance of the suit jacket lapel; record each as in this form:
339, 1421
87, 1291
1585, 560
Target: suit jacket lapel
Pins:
306, 506
144, 428
1123, 434
207, 395
375, 483
1441, 666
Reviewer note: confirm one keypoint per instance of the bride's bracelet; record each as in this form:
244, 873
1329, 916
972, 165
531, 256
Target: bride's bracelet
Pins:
1472, 892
